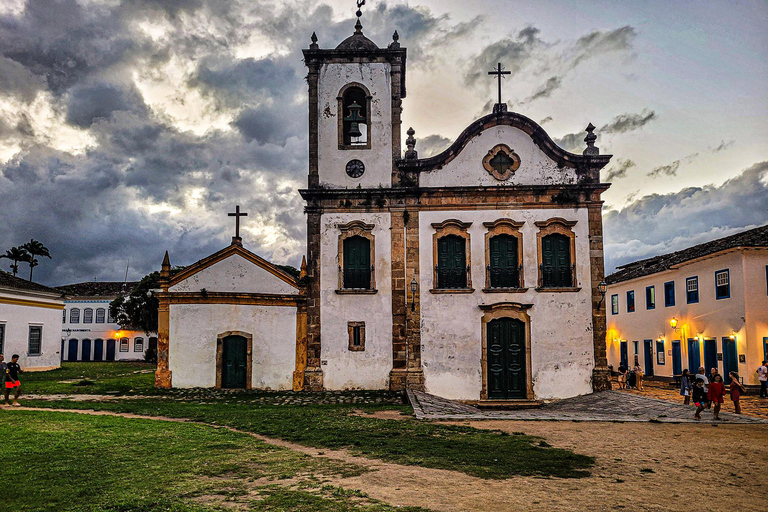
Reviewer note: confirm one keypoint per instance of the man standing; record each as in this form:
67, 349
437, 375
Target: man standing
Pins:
703, 376
762, 376
3, 371
12, 379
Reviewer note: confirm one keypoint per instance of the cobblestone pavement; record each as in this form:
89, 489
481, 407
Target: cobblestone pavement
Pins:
605, 406
751, 404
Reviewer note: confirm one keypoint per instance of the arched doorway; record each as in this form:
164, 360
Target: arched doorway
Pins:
506, 359
233, 360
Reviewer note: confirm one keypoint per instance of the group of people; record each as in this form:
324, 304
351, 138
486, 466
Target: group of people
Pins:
629, 379
9, 378
709, 392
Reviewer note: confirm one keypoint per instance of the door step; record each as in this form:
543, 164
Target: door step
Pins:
508, 404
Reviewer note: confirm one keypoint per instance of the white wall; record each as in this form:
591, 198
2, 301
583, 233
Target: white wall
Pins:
368, 369
756, 308
17, 320
378, 159
467, 169
562, 355
234, 274
192, 347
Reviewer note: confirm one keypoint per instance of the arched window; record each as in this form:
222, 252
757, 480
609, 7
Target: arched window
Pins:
451, 262
357, 262
100, 316
503, 266
138, 344
74, 316
88, 316
123, 344
354, 121
556, 269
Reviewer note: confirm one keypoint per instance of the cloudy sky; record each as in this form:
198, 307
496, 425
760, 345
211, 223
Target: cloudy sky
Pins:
128, 127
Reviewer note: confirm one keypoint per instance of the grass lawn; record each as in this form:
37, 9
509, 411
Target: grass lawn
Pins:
93, 378
71, 462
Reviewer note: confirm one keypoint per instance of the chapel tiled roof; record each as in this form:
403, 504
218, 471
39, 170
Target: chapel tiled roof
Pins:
97, 288
10, 281
757, 237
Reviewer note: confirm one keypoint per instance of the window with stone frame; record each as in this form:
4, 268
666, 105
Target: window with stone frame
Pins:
356, 257
354, 108
2, 338
124, 344
74, 316
88, 316
503, 256
356, 332
557, 255
138, 344
451, 257
100, 316
34, 346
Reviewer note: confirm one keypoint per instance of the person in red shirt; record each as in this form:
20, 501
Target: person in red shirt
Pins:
716, 394
736, 391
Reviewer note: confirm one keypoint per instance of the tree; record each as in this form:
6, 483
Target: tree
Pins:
35, 248
16, 254
137, 310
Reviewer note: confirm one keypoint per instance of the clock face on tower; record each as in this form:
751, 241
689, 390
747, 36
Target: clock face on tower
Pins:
355, 168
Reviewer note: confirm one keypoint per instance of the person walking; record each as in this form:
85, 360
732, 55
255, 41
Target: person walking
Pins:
622, 377
703, 376
686, 387
639, 377
716, 394
736, 391
762, 377
12, 380
699, 398
3, 371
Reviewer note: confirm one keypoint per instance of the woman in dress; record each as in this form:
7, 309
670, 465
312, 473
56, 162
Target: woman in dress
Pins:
686, 387
716, 394
639, 375
736, 391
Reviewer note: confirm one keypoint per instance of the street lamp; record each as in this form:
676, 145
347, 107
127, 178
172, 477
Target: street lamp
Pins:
673, 323
602, 288
414, 285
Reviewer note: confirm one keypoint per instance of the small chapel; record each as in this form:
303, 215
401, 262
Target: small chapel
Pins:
475, 274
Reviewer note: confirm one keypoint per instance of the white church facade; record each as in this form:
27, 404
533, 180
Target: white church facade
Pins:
474, 274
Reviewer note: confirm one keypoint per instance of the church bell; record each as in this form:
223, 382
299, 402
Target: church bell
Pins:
354, 119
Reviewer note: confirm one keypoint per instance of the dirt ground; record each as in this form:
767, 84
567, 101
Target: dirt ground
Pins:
640, 466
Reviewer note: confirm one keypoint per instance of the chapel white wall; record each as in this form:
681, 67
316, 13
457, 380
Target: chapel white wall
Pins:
562, 354
234, 274
466, 170
332, 162
342, 368
18, 319
193, 330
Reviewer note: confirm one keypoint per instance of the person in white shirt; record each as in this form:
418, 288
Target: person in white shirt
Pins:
762, 376
703, 376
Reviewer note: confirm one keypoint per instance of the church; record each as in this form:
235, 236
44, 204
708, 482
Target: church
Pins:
475, 274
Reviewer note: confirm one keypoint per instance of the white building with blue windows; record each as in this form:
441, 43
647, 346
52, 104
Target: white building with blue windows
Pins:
706, 305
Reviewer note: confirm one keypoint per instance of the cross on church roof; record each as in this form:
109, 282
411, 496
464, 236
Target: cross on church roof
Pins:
237, 216
499, 107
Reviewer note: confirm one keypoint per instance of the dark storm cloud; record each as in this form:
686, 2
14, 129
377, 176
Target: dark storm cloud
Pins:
268, 125
512, 53
622, 123
665, 170
247, 79
99, 101
546, 90
619, 170
661, 223
17, 80
599, 42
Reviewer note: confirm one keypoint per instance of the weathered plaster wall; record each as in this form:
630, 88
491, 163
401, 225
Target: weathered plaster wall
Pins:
562, 355
17, 320
192, 347
234, 274
378, 159
467, 168
756, 305
342, 368
710, 317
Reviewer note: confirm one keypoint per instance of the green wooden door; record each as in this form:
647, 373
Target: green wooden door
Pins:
556, 261
451, 262
234, 361
504, 268
506, 359
357, 262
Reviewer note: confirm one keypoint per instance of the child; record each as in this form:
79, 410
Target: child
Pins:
699, 398
716, 393
685, 386
736, 391
622, 377
12, 380
639, 376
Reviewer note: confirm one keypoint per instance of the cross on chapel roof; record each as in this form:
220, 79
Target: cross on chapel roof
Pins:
236, 239
499, 106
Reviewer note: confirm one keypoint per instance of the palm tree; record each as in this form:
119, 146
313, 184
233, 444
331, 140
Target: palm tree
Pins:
35, 248
16, 254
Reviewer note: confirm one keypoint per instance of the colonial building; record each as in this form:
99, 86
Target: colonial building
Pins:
30, 322
88, 331
473, 274
703, 306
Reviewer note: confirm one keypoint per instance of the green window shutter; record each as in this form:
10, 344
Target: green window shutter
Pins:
556, 261
504, 267
451, 262
357, 262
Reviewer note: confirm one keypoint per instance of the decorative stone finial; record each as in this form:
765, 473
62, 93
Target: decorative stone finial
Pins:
165, 271
358, 25
410, 142
394, 45
303, 271
313, 46
590, 140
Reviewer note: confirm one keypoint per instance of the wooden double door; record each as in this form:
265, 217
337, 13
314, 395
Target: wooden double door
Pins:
506, 359
234, 361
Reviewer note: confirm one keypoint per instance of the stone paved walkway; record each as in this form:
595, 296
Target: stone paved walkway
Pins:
605, 406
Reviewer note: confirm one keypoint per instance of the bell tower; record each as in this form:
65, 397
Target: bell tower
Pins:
355, 95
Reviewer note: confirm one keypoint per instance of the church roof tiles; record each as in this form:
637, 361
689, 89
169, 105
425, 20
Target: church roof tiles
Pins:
97, 288
8, 280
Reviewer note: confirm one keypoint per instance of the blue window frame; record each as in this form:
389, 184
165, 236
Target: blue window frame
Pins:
660, 353
669, 294
631, 301
650, 297
692, 289
722, 284
615, 304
